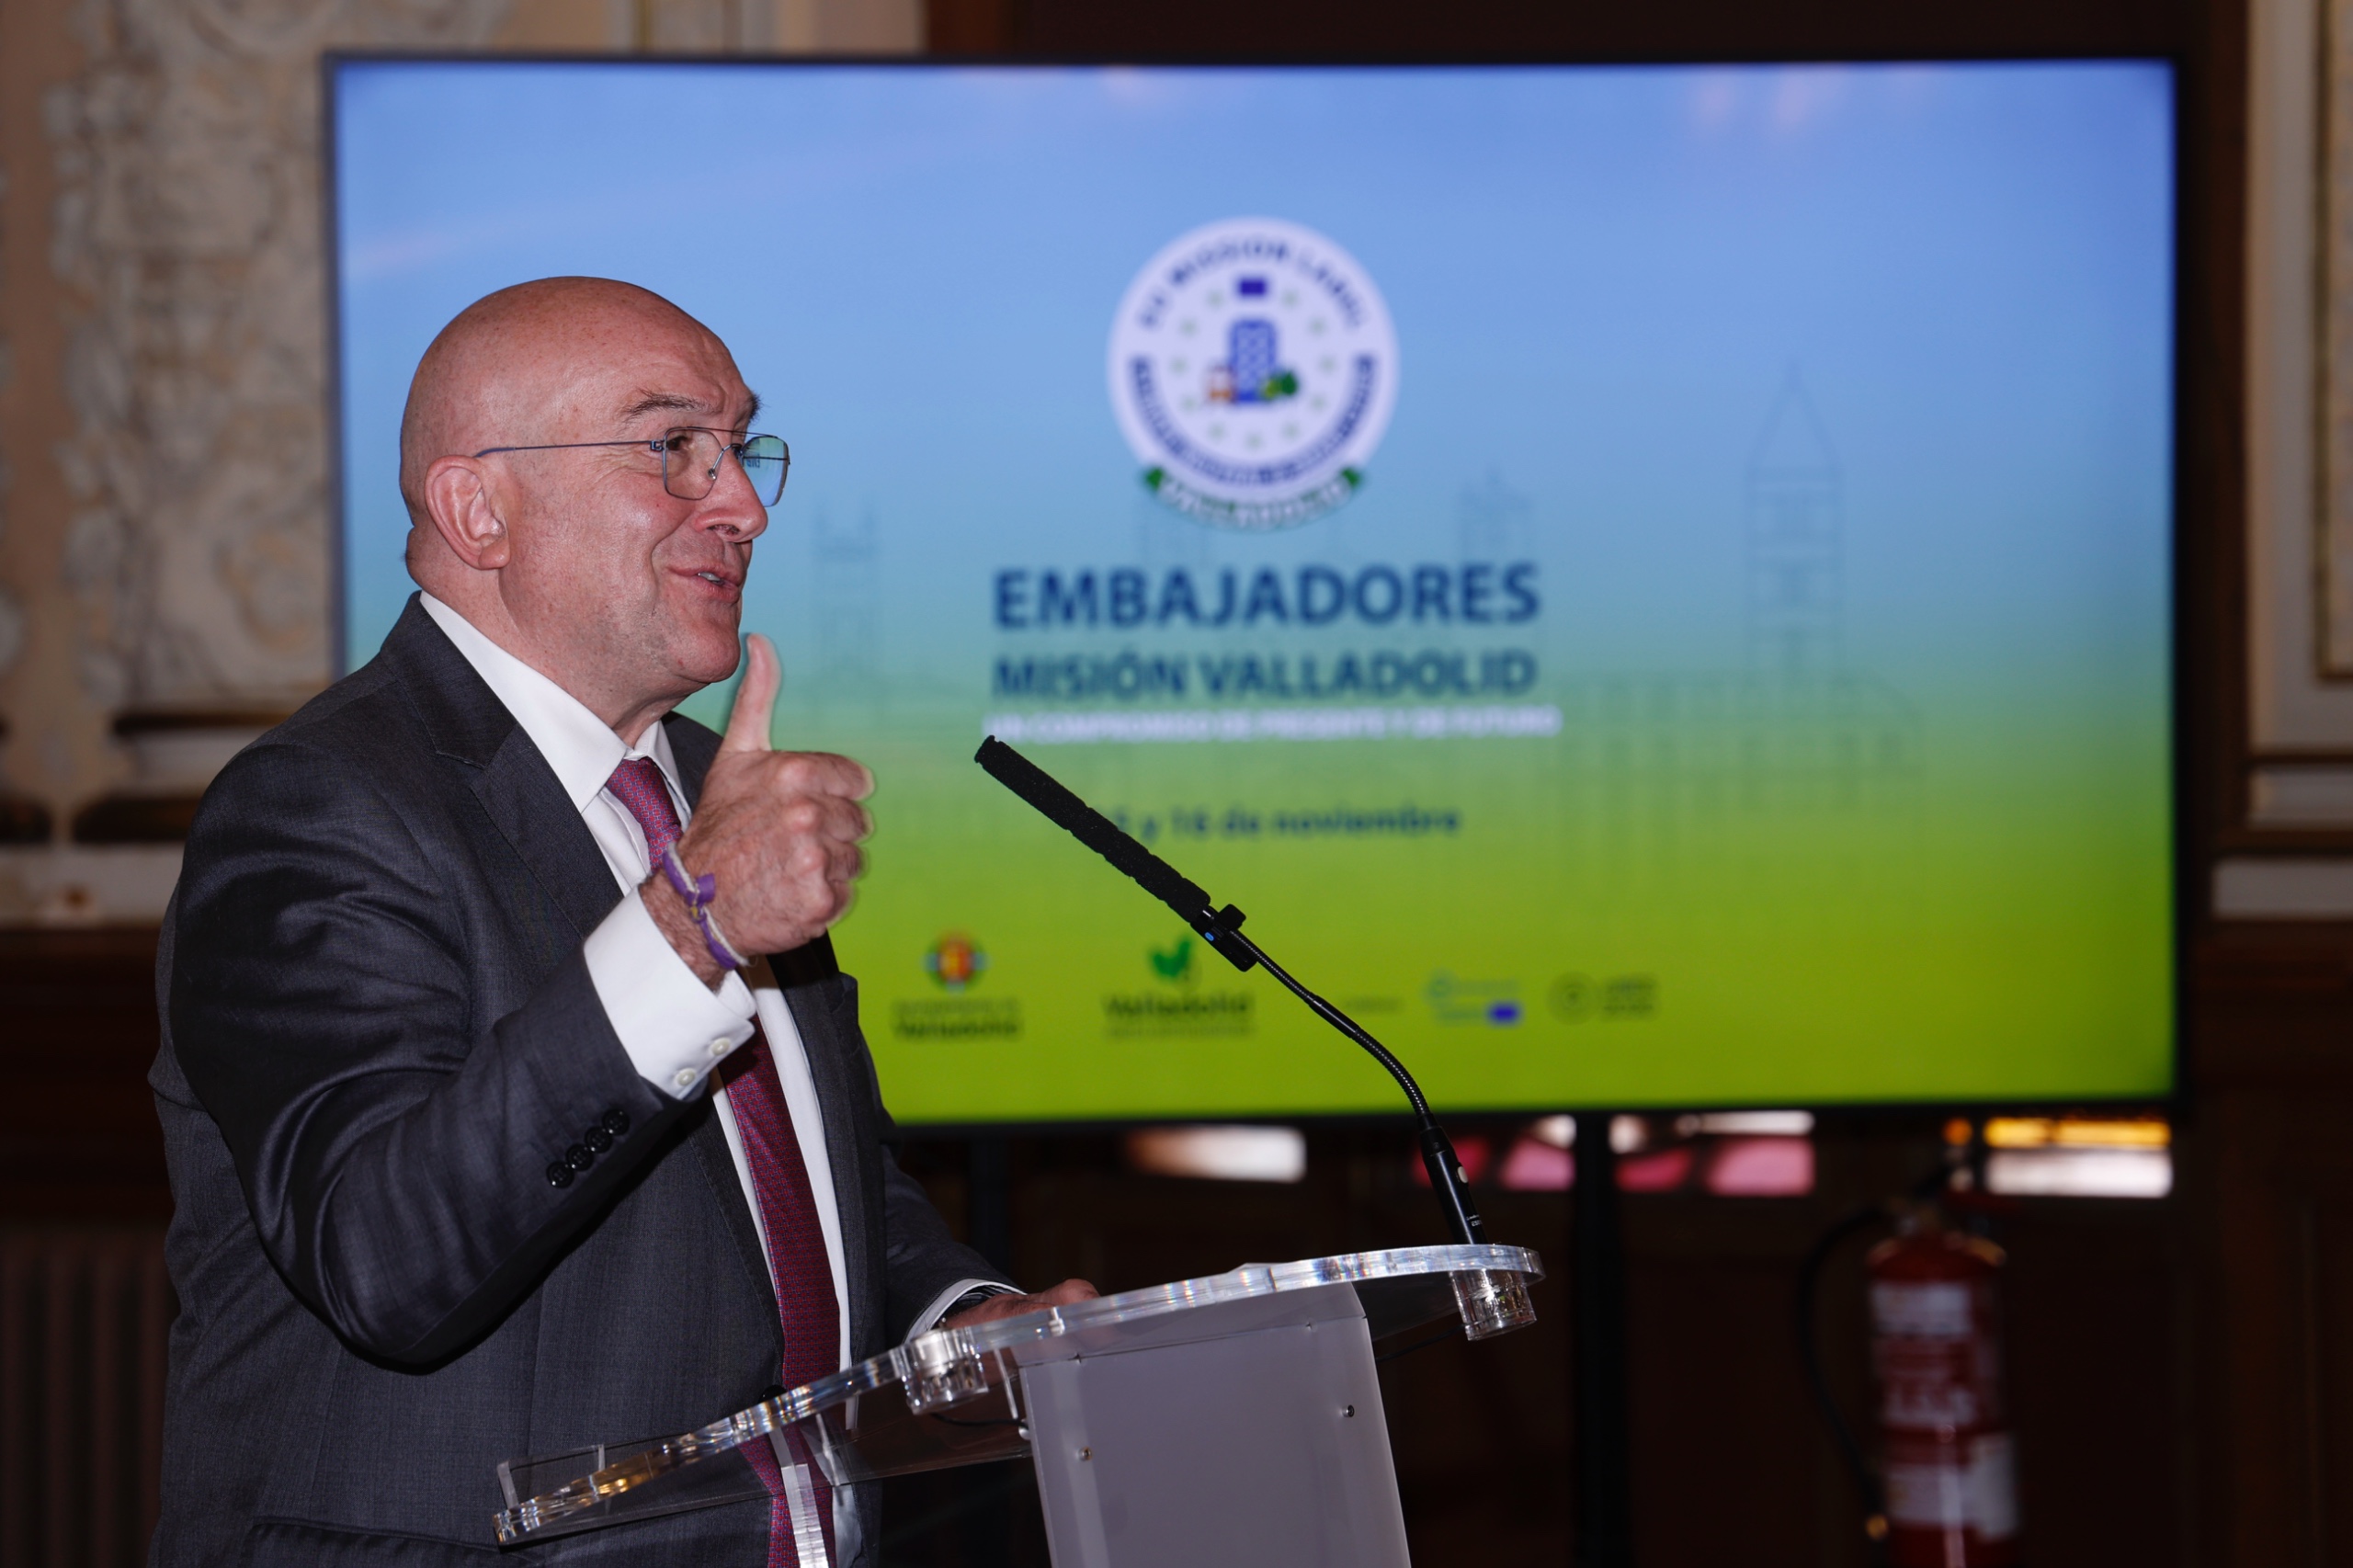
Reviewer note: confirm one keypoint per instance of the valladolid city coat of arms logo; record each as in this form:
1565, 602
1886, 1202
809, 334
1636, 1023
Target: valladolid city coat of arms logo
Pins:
1253, 370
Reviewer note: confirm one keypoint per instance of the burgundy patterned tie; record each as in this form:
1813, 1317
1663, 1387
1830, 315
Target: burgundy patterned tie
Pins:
810, 1317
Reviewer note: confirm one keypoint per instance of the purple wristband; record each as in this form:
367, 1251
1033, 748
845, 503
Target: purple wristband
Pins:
699, 892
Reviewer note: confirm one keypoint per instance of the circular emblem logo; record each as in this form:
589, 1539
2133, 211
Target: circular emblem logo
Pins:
955, 961
1253, 370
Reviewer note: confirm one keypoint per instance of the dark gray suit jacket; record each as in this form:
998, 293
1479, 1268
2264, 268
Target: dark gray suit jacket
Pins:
379, 1031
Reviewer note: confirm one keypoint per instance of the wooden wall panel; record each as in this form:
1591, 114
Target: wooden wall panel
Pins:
78, 1136
84, 1314
2278, 1370
2325, 1238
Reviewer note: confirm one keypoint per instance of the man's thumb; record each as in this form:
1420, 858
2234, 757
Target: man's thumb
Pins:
748, 721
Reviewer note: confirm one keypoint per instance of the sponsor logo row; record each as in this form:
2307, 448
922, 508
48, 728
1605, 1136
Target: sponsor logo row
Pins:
1177, 1000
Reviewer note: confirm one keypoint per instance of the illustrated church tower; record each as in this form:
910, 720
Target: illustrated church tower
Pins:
1795, 546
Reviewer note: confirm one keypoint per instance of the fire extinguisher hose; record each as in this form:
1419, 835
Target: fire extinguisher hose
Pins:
1842, 1434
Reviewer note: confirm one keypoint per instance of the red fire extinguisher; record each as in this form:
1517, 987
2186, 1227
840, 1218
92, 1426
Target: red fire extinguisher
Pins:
1949, 1471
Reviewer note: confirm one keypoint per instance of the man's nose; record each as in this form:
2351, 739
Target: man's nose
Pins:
732, 508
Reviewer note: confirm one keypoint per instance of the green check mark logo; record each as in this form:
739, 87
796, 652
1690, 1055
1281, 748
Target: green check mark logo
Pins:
1172, 963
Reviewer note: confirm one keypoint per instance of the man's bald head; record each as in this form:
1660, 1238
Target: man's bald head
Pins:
510, 368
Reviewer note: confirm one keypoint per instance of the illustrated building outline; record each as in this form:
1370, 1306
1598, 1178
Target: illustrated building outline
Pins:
1795, 541
847, 581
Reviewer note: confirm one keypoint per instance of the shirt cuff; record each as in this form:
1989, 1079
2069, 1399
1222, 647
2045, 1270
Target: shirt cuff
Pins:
929, 1318
674, 1028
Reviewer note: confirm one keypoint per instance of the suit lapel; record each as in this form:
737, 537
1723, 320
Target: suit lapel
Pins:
521, 794
517, 789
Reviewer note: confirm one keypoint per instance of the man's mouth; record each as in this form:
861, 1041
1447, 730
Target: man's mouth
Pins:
720, 580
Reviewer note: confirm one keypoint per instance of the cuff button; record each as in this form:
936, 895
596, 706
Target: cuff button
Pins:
616, 1121
598, 1140
558, 1175
579, 1158
684, 1078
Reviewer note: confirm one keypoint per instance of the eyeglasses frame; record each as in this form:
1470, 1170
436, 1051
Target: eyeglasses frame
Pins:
660, 447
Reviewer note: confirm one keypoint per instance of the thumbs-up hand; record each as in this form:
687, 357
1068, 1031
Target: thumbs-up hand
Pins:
778, 831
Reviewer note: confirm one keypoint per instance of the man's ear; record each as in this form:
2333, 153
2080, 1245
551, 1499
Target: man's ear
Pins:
465, 513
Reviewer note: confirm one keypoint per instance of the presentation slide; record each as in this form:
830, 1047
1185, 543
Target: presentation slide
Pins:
1652, 586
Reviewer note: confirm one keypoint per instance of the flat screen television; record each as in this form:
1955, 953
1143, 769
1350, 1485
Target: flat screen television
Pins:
1652, 585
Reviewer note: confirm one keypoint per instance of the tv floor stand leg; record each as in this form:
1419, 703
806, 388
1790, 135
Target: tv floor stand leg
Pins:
1603, 1528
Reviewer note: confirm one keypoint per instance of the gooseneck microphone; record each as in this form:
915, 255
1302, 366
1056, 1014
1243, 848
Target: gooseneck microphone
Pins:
1221, 929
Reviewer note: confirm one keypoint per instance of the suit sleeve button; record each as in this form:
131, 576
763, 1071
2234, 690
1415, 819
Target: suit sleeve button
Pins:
616, 1121
578, 1157
558, 1175
598, 1140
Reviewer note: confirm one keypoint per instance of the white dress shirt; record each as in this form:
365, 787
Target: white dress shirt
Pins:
674, 1028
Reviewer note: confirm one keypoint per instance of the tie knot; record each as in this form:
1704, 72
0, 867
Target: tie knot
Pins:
638, 784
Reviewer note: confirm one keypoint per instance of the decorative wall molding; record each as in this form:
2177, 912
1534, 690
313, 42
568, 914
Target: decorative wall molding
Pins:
188, 221
2299, 417
2293, 430
2333, 553
23, 818
2273, 887
12, 613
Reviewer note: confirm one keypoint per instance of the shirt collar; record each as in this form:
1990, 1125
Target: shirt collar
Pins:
580, 747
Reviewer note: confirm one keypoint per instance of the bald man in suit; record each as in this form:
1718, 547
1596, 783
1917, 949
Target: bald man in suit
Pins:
491, 1134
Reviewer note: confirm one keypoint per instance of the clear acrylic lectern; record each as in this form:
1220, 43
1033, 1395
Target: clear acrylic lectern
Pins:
1234, 1420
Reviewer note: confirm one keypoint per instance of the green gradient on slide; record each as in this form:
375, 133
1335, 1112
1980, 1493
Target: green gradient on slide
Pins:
1971, 906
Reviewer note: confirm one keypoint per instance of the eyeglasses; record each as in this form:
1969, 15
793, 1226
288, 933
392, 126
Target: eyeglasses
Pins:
691, 458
